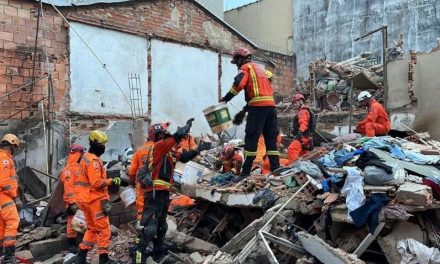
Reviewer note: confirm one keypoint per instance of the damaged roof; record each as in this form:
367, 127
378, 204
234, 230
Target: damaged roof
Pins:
67, 3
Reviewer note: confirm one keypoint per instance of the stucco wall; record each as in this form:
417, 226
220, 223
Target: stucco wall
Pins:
267, 22
326, 28
92, 88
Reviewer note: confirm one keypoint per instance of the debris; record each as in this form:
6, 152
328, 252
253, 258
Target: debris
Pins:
414, 194
413, 252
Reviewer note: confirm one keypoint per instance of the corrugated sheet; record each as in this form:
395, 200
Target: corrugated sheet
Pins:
80, 2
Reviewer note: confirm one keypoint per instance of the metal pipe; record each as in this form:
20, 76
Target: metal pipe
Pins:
274, 259
385, 67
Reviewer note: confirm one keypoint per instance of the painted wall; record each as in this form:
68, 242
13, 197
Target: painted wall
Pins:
319, 24
184, 82
92, 89
267, 22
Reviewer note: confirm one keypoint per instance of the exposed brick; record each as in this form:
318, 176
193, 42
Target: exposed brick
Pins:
6, 36
11, 70
24, 13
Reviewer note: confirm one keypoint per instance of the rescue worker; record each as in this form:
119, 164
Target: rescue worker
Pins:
91, 192
302, 142
157, 185
67, 177
9, 219
139, 160
262, 115
265, 167
187, 143
377, 121
230, 160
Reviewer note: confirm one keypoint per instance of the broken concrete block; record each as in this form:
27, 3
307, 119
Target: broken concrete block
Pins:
414, 194
325, 253
48, 247
57, 259
196, 258
25, 255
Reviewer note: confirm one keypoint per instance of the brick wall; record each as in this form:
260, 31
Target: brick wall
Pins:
284, 71
18, 24
180, 21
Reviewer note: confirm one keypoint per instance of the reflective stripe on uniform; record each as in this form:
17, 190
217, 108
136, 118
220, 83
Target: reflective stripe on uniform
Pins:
13, 177
86, 160
161, 182
9, 238
7, 188
7, 204
99, 214
79, 183
102, 185
88, 243
69, 195
273, 153
233, 91
250, 153
254, 80
261, 98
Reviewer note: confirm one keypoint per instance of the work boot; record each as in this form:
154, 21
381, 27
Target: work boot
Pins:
9, 257
81, 258
73, 247
104, 259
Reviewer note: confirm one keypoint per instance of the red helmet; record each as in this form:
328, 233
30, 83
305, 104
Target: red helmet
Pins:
240, 52
154, 129
298, 97
227, 151
76, 148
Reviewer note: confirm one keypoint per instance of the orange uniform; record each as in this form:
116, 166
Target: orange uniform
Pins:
90, 190
67, 177
9, 219
233, 164
376, 122
295, 149
261, 151
140, 158
252, 79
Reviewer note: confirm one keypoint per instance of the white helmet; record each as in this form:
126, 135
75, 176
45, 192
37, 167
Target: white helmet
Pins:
363, 96
128, 155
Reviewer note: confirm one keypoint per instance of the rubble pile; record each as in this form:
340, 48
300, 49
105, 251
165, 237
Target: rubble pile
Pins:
357, 199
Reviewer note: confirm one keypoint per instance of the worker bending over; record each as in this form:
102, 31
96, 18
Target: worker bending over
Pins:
157, 183
139, 160
71, 171
91, 193
302, 129
230, 160
376, 122
262, 115
9, 219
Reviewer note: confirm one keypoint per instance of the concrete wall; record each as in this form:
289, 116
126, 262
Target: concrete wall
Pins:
184, 82
319, 25
93, 90
266, 22
426, 89
214, 6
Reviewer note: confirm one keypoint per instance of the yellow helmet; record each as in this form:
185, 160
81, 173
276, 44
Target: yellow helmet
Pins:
98, 136
269, 74
11, 139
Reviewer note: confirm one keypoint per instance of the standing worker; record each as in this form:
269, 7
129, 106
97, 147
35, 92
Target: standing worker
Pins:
67, 177
262, 115
157, 183
303, 126
93, 199
140, 158
9, 219
376, 122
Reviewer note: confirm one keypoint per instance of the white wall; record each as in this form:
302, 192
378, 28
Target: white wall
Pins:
92, 89
184, 82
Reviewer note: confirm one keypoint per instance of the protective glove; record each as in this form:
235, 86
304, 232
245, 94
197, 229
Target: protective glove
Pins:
183, 131
238, 118
116, 181
298, 135
203, 146
218, 164
72, 208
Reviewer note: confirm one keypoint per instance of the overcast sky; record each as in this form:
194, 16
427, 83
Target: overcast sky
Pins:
230, 4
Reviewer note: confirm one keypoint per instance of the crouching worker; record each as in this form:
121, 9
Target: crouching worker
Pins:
230, 160
377, 122
67, 177
157, 180
9, 219
92, 196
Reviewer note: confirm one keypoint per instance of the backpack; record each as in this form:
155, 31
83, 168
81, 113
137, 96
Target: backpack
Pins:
144, 174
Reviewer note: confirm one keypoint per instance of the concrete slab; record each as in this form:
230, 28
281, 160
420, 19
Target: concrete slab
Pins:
325, 253
414, 194
25, 255
48, 247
